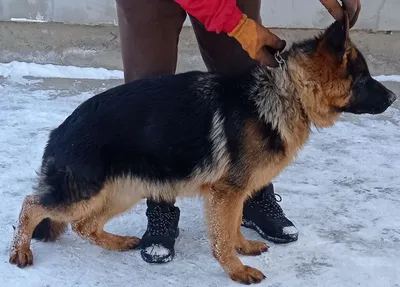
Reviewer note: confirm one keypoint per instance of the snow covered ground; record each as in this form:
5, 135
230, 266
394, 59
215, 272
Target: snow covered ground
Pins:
343, 193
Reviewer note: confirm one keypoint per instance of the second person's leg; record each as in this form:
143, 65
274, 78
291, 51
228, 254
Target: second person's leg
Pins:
224, 54
149, 34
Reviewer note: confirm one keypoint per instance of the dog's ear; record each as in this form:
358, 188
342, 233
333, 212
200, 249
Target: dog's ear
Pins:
335, 37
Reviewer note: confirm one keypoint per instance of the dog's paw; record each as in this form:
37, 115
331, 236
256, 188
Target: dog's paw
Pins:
21, 258
253, 248
128, 243
247, 275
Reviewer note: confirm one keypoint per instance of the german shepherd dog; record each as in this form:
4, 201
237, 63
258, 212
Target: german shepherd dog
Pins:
194, 133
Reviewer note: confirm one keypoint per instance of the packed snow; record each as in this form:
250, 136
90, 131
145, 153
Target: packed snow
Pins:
289, 230
23, 69
17, 69
342, 192
159, 252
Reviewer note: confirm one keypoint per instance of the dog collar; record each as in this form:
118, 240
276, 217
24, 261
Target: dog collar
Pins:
280, 58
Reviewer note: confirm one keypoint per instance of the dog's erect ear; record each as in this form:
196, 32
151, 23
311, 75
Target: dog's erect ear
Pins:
335, 37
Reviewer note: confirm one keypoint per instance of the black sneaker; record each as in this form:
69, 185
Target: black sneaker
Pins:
263, 214
157, 243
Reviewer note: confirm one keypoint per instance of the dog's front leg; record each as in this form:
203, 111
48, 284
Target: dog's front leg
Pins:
249, 247
224, 205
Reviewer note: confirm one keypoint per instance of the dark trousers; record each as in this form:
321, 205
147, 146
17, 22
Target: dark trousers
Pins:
149, 34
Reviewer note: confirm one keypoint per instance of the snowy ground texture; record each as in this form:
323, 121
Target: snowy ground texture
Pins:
343, 193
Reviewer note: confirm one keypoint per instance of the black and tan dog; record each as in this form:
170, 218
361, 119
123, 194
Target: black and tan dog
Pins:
192, 134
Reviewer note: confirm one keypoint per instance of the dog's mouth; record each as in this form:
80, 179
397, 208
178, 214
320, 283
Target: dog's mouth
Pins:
384, 106
366, 107
375, 110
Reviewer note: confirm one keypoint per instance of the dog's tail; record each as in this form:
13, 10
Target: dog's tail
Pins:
49, 230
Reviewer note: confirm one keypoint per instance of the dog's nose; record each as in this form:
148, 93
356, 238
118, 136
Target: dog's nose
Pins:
392, 97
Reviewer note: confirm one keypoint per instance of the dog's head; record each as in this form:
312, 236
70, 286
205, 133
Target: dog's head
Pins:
333, 77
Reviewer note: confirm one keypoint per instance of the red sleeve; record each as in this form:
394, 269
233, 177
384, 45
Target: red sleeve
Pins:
216, 15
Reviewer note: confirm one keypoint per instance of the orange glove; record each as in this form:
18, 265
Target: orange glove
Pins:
258, 41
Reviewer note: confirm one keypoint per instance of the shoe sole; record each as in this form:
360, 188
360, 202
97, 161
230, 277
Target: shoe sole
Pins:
160, 260
252, 225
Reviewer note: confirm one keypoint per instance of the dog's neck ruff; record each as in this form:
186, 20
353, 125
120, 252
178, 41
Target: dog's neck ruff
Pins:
277, 100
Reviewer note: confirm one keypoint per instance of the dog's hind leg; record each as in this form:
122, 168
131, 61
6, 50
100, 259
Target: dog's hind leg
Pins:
92, 227
224, 205
32, 213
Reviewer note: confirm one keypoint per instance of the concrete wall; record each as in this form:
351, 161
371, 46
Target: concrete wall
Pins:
376, 14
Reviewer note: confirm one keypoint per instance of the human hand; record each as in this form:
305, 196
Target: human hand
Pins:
352, 7
259, 42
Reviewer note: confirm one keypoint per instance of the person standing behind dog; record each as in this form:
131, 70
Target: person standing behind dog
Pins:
231, 38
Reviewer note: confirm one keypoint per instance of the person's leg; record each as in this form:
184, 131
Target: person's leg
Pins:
149, 34
219, 50
261, 212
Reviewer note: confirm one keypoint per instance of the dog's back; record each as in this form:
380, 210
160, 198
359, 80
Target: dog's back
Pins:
160, 130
